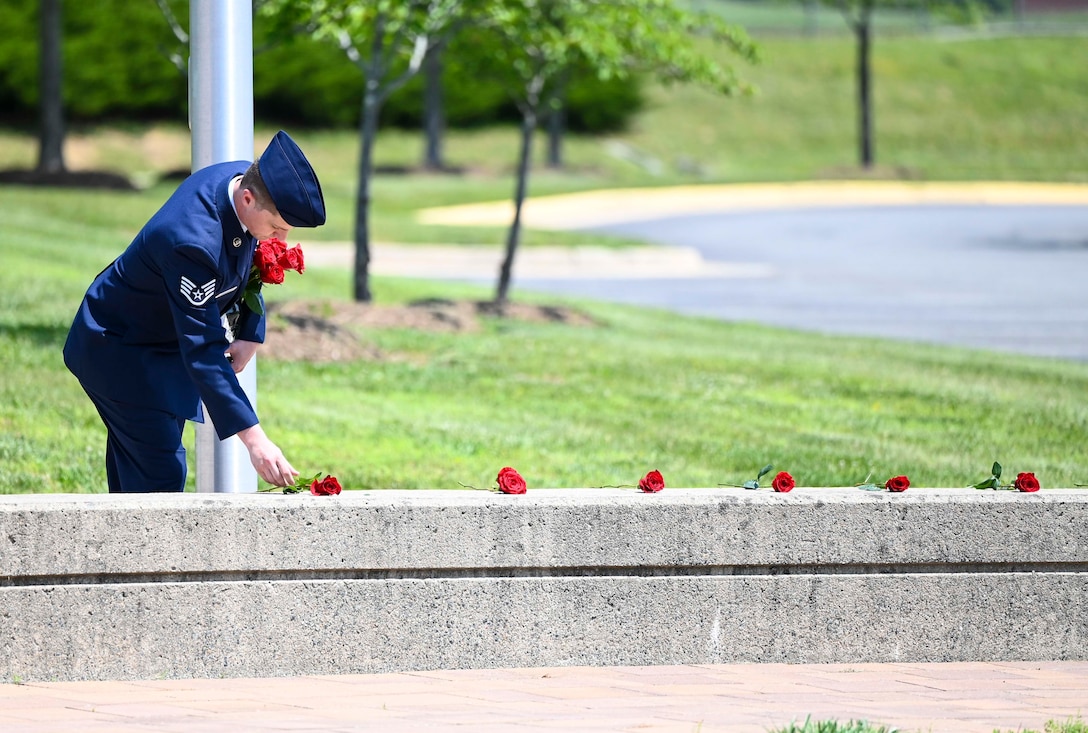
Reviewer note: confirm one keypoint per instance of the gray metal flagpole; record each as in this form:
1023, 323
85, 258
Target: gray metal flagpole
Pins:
221, 120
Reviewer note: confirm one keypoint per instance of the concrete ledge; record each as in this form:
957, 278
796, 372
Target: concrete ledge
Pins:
109, 587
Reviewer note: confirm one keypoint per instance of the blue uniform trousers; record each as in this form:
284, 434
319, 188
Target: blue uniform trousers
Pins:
143, 447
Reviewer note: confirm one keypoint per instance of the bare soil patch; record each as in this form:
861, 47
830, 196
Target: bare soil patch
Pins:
321, 331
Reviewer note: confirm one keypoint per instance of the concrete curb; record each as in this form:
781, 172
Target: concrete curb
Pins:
590, 209
107, 587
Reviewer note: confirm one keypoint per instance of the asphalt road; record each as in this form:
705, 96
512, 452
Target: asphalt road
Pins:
1004, 278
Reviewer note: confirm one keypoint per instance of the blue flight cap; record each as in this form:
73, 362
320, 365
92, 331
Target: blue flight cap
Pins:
292, 183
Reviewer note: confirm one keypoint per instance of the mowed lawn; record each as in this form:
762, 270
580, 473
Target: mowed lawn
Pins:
705, 402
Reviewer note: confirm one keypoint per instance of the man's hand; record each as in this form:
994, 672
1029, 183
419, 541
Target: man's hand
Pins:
269, 460
240, 352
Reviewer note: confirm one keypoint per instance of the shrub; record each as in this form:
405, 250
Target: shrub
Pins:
117, 66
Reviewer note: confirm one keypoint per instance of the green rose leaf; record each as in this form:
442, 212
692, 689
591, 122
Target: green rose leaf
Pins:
253, 302
752, 484
765, 470
996, 470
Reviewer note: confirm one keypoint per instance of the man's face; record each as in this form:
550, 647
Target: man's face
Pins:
261, 223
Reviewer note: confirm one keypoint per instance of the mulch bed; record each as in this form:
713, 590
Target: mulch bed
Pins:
325, 331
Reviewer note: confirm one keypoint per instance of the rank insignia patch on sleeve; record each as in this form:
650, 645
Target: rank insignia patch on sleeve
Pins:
198, 295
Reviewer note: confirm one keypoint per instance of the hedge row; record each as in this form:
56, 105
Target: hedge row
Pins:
117, 66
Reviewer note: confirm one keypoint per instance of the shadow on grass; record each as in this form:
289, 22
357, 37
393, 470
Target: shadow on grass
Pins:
67, 179
36, 334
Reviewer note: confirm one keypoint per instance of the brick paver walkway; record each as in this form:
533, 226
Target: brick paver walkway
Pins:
953, 698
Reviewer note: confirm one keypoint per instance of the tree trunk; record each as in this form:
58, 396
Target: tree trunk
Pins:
434, 117
863, 29
812, 17
51, 73
528, 126
368, 130
557, 127
557, 119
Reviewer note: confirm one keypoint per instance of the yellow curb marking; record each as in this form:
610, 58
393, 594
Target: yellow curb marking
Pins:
598, 208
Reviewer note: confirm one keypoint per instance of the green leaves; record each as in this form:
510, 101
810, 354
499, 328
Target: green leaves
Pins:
754, 484
994, 482
867, 486
301, 485
543, 38
252, 301
251, 295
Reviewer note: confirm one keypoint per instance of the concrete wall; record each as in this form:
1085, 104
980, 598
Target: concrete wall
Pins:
114, 587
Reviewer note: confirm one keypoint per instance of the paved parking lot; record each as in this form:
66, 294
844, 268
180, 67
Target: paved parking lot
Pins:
997, 266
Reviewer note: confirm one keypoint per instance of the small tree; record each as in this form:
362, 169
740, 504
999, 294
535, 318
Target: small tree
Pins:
542, 39
434, 117
51, 75
388, 41
859, 17
179, 54
557, 122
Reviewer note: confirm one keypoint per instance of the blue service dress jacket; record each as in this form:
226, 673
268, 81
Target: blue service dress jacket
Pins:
150, 330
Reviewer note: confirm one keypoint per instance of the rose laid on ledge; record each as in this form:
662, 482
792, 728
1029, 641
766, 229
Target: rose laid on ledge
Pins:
782, 482
652, 482
896, 484
328, 486
510, 481
1025, 482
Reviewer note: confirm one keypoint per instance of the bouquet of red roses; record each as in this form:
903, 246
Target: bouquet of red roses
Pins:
271, 260
328, 486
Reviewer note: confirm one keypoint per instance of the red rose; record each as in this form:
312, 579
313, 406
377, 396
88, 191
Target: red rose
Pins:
651, 482
292, 259
328, 486
277, 245
510, 481
783, 482
897, 483
265, 254
272, 274
1026, 482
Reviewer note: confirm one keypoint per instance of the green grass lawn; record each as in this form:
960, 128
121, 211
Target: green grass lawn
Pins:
705, 402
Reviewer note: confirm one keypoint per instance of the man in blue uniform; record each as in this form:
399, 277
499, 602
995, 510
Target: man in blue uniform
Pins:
148, 344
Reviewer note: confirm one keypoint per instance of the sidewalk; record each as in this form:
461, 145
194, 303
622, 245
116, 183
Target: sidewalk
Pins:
456, 262
936, 698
